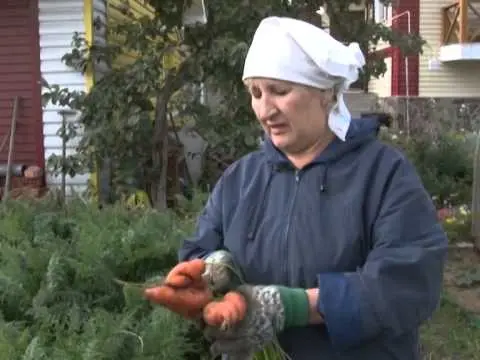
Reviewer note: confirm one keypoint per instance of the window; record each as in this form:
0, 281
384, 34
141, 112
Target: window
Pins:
383, 13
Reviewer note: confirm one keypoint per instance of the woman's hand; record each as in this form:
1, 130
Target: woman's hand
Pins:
269, 310
192, 284
221, 273
184, 290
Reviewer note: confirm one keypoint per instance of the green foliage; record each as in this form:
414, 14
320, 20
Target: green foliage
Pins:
58, 297
457, 223
445, 164
125, 117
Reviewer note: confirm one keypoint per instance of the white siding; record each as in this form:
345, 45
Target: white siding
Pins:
383, 85
450, 80
59, 19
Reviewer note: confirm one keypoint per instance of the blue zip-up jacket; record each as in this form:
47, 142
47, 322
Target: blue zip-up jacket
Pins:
357, 223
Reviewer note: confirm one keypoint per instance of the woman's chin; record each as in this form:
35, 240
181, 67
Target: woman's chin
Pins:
280, 141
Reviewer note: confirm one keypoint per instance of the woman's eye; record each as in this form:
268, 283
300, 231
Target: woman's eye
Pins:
279, 92
256, 92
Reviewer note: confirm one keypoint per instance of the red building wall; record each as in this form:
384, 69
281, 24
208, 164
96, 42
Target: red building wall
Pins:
405, 10
20, 76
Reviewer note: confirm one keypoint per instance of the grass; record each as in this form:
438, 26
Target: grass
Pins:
452, 334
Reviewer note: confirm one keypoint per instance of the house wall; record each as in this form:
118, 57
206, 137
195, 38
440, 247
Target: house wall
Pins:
449, 80
20, 76
383, 85
59, 19
402, 72
405, 69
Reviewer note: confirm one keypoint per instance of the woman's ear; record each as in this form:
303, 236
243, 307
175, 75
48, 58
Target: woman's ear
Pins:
329, 98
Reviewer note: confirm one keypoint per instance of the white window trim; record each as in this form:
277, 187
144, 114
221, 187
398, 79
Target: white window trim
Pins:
383, 13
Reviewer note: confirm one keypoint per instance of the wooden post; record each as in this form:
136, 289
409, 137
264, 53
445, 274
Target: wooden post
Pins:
476, 194
445, 24
11, 146
463, 21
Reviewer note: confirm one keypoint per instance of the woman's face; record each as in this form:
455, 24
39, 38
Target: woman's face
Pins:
294, 116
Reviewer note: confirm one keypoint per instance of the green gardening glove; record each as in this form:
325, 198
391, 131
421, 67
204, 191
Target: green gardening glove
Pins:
270, 310
221, 273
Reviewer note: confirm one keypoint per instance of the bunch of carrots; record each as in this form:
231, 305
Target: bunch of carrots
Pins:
185, 292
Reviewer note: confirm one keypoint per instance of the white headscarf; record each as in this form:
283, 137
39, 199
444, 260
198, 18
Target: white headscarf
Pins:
296, 51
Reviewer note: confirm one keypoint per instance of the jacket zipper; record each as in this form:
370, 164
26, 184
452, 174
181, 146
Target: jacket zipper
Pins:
288, 222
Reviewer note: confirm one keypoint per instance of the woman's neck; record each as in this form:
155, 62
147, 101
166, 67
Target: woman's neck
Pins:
306, 157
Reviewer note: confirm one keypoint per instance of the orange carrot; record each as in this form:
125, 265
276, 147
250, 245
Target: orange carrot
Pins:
188, 302
186, 273
226, 312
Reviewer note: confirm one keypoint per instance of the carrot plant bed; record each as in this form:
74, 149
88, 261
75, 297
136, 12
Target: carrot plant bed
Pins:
59, 300
58, 297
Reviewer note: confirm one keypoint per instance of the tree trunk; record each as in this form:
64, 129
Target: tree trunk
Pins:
173, 82
476, 195
160, 152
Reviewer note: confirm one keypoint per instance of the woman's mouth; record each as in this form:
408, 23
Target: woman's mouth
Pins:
278, 129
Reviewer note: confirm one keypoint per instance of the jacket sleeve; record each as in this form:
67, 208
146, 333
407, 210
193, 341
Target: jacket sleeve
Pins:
208, 235
400, 284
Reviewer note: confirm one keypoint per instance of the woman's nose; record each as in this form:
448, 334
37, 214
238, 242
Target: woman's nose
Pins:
264, 109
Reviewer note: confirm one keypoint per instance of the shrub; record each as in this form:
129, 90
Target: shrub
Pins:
58, 298
445, 164
457, 223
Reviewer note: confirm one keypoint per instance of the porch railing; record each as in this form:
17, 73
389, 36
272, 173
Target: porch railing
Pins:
461, 22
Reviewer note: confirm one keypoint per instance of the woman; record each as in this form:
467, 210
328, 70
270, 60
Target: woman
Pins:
334, 234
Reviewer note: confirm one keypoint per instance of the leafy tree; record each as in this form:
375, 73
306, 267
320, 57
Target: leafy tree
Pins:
126, 116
